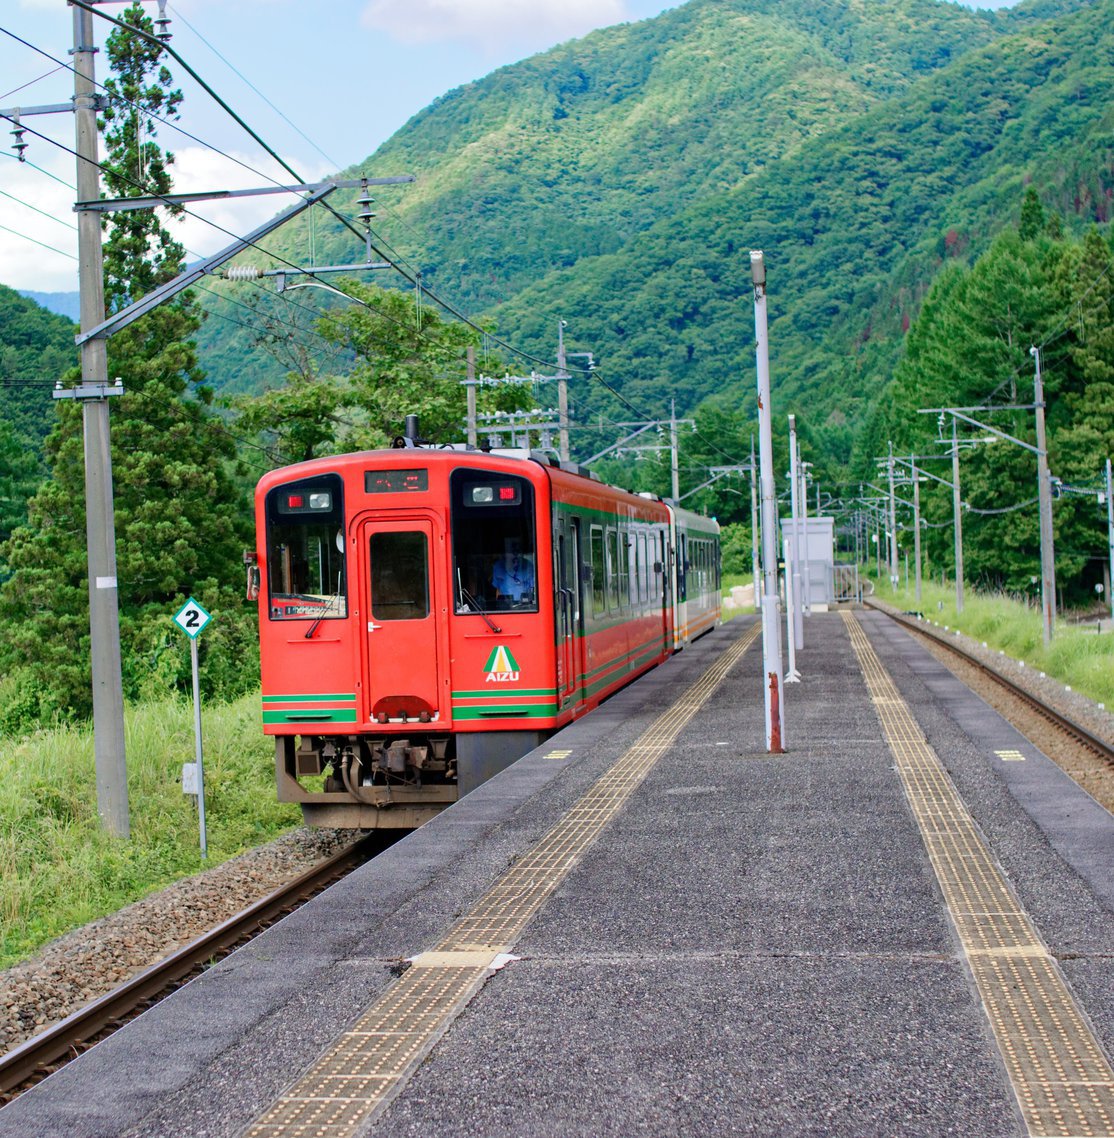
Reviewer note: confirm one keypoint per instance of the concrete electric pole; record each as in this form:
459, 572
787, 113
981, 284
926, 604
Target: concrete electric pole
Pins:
93, 393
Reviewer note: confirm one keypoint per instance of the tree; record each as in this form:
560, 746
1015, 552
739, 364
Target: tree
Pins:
971, 347
180, 523
402, 359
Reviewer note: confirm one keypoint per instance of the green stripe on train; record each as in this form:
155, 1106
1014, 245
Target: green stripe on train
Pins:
495, 712
324, 715
331, 697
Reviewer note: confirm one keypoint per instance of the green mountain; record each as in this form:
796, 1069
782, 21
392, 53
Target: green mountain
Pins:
36, 349
619, 182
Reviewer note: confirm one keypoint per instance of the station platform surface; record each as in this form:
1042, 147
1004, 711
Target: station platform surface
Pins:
904, 925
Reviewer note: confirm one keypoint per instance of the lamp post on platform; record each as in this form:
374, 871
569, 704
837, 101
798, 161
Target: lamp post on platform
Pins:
771, 625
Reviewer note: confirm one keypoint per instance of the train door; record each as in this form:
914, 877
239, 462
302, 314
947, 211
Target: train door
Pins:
664, 574
570, 641
403, 667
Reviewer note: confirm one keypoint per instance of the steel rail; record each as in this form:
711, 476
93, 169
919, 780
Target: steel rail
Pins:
41, 1055
1077, 731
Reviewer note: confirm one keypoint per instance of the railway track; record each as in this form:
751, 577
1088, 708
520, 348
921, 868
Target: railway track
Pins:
40, 1056
1080, 735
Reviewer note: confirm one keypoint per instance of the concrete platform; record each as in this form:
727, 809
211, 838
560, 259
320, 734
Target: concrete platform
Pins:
754, 945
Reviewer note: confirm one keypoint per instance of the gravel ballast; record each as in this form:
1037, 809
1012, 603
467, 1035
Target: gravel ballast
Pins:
89, 962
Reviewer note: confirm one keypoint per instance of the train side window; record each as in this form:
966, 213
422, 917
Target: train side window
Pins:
599, 573
642, 587
612, 569
306, 550
399, 576
682, 569
494, 548
624, 570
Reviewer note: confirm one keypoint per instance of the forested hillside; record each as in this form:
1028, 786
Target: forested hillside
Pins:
36, 349
855, 225
931, 186
545, 166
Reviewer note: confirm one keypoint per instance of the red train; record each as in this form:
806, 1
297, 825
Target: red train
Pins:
427, 616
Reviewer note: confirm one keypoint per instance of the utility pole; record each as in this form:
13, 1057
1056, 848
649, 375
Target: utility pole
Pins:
1110, 535
93, 392
771, 627
916, 525
1044, 489
562, 396
957, 513
540, 419
893, 525
1044, 492
470, 394
674, 459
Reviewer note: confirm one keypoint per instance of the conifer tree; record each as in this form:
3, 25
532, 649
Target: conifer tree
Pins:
180, 523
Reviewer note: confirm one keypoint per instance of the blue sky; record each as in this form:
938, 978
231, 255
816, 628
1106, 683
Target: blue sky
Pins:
332, 79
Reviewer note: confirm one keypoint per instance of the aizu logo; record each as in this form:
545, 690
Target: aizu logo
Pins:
501, 666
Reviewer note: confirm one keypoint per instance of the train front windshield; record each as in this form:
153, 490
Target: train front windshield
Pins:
494, 547
305, 550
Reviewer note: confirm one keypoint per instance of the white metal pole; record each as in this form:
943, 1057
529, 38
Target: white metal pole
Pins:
197, 747
754, 561
795, 625
771, 627
806, 567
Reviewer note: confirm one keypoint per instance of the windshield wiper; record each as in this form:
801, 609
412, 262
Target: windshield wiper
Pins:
324, 613
475, 605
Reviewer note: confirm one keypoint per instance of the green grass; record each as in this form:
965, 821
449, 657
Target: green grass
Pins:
59, 869
1077, 655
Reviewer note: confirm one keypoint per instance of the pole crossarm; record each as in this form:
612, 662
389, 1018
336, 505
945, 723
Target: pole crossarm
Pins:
192, 275
14, 114
623, 441
957, 413
117, 205
717, 472
886, 495
927, 473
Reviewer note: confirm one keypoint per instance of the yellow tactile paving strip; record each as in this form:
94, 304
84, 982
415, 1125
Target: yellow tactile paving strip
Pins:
370, 1063
1063, 1082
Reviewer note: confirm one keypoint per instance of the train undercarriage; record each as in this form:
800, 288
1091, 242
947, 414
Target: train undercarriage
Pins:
373, 782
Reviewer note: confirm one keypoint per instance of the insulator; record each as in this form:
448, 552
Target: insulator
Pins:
162, 24
243, 273
19, 146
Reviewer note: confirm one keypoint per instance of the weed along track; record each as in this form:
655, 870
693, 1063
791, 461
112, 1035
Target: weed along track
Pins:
1083, 750
44, 1053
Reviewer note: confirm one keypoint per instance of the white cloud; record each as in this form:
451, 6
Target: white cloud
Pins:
38, 234
491, 24
212, 225
38, 244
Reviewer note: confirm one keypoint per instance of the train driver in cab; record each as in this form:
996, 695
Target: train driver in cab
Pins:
513, 577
